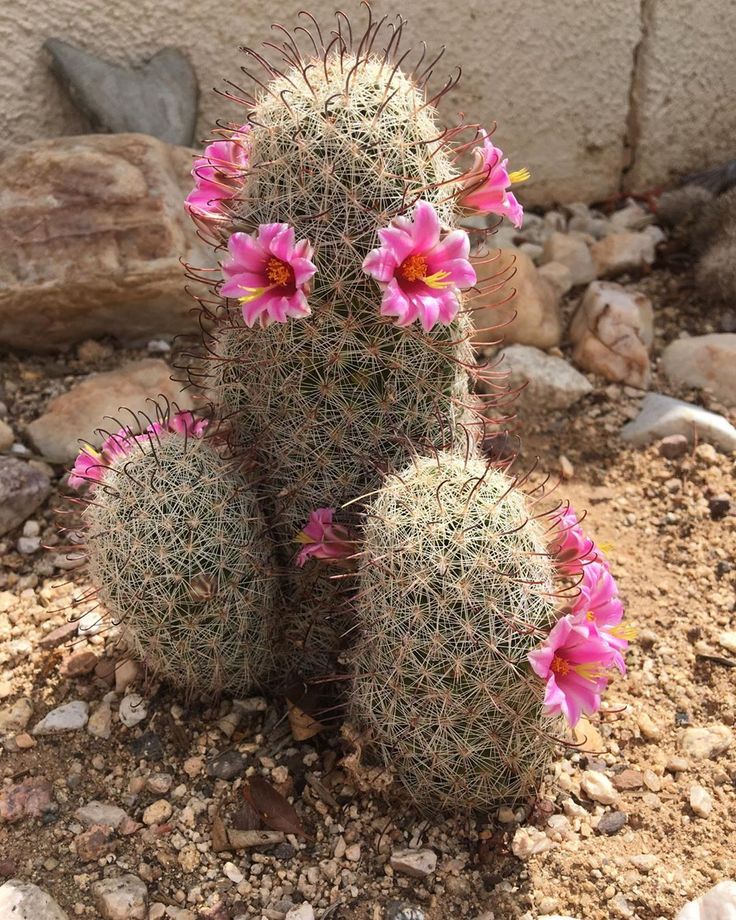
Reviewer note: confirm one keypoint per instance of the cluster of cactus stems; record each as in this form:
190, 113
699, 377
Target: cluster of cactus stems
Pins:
338, 371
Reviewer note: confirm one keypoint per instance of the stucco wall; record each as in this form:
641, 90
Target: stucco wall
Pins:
556, 74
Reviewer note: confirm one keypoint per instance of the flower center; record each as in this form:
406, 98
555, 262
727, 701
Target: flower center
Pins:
279, 273
520, 175
590, 616
414, 267
560, 666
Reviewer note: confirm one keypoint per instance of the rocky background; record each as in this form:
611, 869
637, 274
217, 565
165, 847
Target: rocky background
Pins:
117, 801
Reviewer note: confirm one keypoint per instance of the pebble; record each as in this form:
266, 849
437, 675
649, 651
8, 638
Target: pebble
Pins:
132, 710
719, 506
660, 416
414, 863
717, 904
677, 765
673, 446
27, 546
644, 862
648, 728
232, 872
352, 853
528, 841
706, 742
68, 717
395, 910
612, 822
58, 635
727, 640
700, 801
22, 489
95, 843
124, 898
15, 717
79, 664
126, 672
304, 911
7, 436
100, 722
227, 765
24, 901
148, 747
159, 783
628, 779
157, 812
598, 787
100, 813
28, 799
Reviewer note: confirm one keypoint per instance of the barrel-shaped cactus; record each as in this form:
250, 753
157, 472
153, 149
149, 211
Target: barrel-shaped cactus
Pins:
180, 557
456, 588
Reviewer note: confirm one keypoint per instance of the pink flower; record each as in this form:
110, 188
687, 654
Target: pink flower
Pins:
419, 275
486, 186
574, 660
322, 539
570, 546
268, 273
88, 467
186, 423
91, 465
219, 174
598, 605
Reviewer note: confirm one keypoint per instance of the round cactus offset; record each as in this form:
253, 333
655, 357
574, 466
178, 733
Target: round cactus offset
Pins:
456, 588
180, 557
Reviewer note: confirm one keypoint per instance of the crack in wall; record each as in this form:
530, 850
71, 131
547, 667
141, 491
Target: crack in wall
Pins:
632, 131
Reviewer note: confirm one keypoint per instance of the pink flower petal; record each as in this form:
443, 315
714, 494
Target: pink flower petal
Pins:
426, 230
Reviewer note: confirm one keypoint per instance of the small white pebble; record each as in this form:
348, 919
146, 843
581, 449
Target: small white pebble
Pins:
700, 801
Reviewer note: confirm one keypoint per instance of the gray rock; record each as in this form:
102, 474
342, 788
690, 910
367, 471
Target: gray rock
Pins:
124, 898
227, 765
661, 416
398, 911
68, 717
631, 217
415, 863
24, 901
704, 361
99, 813
22, 489
551, 383
159, 98
612, 822
132, 710
571, 250
77, 414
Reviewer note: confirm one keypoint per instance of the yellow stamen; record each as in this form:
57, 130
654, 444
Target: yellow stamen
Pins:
254, 294
90, 451
606, 547
590, 616
622, 631
436, 281
590, 670
520, 175
303, 538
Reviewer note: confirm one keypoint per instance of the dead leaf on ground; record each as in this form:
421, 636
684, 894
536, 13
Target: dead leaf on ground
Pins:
273, 808
219, 835
303, 725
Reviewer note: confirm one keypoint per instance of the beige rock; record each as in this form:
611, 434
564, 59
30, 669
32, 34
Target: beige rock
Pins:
558, 275
612, 331
598, 787
16, 716
75, 415
535, 301
528, 841
124, 898
649, 729
7, 436
548, 382
622, 252
717, 904
157, 812
415, 863
91, 232
707, 742
571, 250
727, 640
700, 801
704, 361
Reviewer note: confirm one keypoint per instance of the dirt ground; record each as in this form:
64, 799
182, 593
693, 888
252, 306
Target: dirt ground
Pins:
674, 560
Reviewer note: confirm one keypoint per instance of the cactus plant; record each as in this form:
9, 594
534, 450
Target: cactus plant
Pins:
180, 557
456, 588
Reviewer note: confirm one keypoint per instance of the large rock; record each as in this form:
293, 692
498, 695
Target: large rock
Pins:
157, 98
571, 250
535, 301
75, 415
548, 382
622, 252
661, 416
91, 232
704, 361
717, 904
22, 489
612, 331
24, 901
